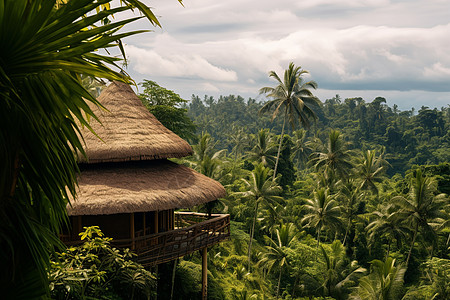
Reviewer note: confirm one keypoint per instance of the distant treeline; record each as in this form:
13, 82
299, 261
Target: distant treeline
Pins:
409, 137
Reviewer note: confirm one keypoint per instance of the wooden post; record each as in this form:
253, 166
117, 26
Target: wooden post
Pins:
204, 273
79, 225
156, 221
143, 222
155, 227
132, 231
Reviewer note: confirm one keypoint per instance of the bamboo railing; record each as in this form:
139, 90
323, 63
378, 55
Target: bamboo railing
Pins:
166, 246
193, 231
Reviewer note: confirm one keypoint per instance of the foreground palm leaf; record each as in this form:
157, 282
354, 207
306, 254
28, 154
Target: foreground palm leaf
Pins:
44, 49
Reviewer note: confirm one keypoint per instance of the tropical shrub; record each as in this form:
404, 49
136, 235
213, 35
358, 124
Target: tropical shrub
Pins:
97, 270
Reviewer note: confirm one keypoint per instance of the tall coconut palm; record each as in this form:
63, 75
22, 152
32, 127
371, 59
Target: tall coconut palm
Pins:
333, 156
293, 98
322, 211
301, 149
264, 150
260, 189
276, 256
272, 215
349, 196
44, 49
422, 210
386, 224
207, 160
370, 170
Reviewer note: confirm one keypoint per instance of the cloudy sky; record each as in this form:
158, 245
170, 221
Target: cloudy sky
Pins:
399, 50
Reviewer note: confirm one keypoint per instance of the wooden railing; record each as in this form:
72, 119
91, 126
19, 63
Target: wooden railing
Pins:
193, 231
186, 238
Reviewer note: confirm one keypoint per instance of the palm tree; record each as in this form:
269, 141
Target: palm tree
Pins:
205, 148
207, 160
264, 150
383, 283
322, 211
277, 251
349, 197
422, 209
261, 189
386, 223
338, 273
334, 155
44, 50
293, 98
271, 217
370, 170
301, 149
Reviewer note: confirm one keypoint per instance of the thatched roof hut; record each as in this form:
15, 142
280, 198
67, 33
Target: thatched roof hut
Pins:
129, 189
140, 187
127, 169
128, 131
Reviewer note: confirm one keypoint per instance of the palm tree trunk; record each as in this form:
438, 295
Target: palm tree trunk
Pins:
173, 278
318, 237
279, 282
295, 285
252, 234
279, 147
15, 175
389, 248
412, 244
346, 231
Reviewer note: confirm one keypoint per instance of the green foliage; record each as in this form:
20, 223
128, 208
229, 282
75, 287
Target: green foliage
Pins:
322, 212
97, 270
167, 107
422, 210
338, 275
260, 189
435, 281
344, 193
385, 282
44, 49
334, 156
363, 124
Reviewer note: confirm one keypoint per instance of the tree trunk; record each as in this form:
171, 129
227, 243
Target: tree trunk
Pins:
279, 147
173, 277
295, 285
412, 244
279, 282
252, 234
318, 237
389, 248
346, 231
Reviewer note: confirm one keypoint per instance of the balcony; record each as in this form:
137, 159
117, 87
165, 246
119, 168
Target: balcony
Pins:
192, 232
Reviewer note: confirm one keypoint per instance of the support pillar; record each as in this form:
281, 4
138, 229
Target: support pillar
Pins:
132, 233
204, 273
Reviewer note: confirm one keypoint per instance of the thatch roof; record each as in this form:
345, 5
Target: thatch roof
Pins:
128, 130
141, 186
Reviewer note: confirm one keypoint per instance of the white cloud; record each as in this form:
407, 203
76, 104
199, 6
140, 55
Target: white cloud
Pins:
437, 70
150, 62
208, 87
228, 47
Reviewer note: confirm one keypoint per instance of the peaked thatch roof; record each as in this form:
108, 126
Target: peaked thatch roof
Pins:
141, 186
128, 131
